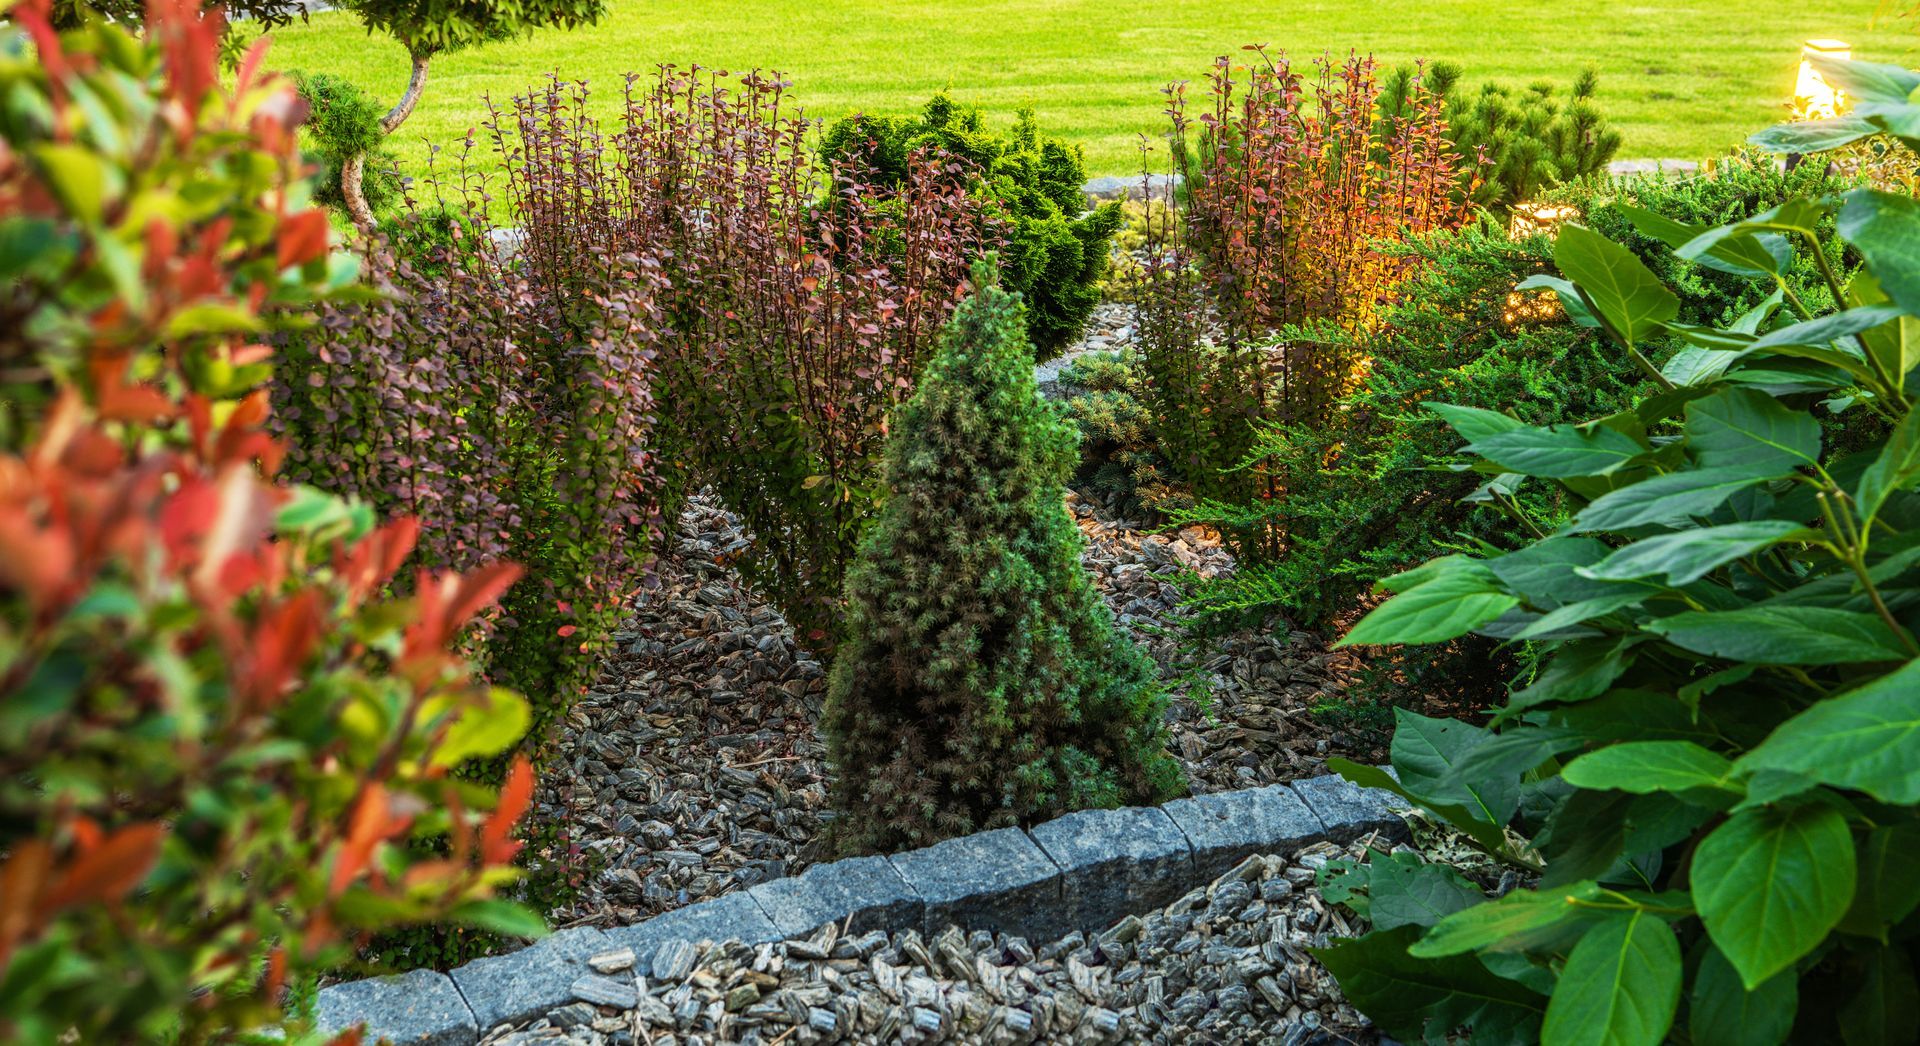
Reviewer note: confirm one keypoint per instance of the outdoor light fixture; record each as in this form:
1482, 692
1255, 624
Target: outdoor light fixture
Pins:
1813, 97
1530, 218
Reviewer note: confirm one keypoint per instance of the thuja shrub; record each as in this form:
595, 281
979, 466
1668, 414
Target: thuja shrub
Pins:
1294, 189
801, 300
1053, 250
1522, 141
218, 732
1712, 776
983, 682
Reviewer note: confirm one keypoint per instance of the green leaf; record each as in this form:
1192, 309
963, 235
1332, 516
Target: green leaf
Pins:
1868, 82
1689, 555
1722, 1012
1473, 423
1427, 753
1410, 997
1491, 837
1886, 1009
502, 917
1867, 739
1558, 451
1570, 299
1493, 923
1888, 890
1641, 767
1620, 986
78, 176
1894, 469
1783, 635
1771, 883
1403, 890
1625, 292
1813, 136
479, 731
1749, 430
1454, 596
1886, 229
1674, 497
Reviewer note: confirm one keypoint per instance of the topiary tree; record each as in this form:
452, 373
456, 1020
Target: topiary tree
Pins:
430, 27
983, 684
1055, 250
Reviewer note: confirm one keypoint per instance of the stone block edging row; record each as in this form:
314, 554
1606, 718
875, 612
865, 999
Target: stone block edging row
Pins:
1084, 871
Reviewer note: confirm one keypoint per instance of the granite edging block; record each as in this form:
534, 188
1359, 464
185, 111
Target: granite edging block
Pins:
1115, 862
999, 880
1350, 811
1226, 828
531, 981
867, 893
418, 1008
734, 916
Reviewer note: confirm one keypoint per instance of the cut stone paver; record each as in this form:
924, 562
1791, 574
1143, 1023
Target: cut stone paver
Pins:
531, 981
420, 1008
735, 916
1349, 811
1226, 828
866, 891
1115, 862
998, 880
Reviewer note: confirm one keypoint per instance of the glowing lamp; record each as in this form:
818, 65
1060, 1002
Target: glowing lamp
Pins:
1813, 97
1530, 218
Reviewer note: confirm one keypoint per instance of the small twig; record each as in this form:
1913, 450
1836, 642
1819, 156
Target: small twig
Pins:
769, 759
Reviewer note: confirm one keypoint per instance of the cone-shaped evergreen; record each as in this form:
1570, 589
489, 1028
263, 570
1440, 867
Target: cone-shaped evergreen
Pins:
983, 683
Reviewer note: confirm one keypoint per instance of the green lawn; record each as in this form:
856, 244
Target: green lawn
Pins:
1682, 78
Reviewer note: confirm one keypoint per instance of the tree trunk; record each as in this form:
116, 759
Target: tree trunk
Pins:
355, 168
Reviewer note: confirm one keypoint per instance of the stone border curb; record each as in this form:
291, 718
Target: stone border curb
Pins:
1082, 871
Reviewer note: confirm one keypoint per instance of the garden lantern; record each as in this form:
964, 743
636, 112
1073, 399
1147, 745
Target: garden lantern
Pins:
1530, 218
1813, 97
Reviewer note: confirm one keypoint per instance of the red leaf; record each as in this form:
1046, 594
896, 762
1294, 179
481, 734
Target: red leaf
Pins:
497, 845
108, 871
303, 237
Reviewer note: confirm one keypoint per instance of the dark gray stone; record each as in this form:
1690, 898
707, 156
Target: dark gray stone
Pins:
1226, 828
735, 916
1350, 811
531, 981
1129, 187
866, 888
1114, 862
996, 880
421, 1008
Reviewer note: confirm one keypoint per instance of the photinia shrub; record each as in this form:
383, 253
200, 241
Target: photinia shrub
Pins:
218, 732
1710, 783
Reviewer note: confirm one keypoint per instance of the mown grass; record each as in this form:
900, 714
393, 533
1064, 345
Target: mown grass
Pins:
1682, 78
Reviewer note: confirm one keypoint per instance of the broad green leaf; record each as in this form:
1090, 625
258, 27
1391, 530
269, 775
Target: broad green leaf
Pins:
1749, 430
1427, 753
1620, 986
1626, 293
1693, 365
1739, 250
1672, 232
1722, 1012
1868, 82
1833, 327
1813, 136
1579, 671
1674, 497
1783, 635
1457, 595
79, 176
1800, 216
1544, 572
1409, 997
1688, 555
1473, 423
1888, 890
1491, 837
1570, 299
1867, 739
1885, 227
1895, 468
1403, 890
499, 916
1770, 885
1886, 1008
478, 731
1558, 451
1491, 924
1651, 766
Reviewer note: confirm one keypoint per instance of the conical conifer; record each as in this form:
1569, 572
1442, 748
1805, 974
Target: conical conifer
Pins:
984, 682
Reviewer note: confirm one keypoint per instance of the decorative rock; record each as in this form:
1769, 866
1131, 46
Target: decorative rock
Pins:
606, 991
735, 917
866, 892
420, 1008
1113, 862
532, 980
612, 962
1348, 810
996, 880
1227, 827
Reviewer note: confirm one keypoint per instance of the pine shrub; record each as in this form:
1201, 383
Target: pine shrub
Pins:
983, 683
